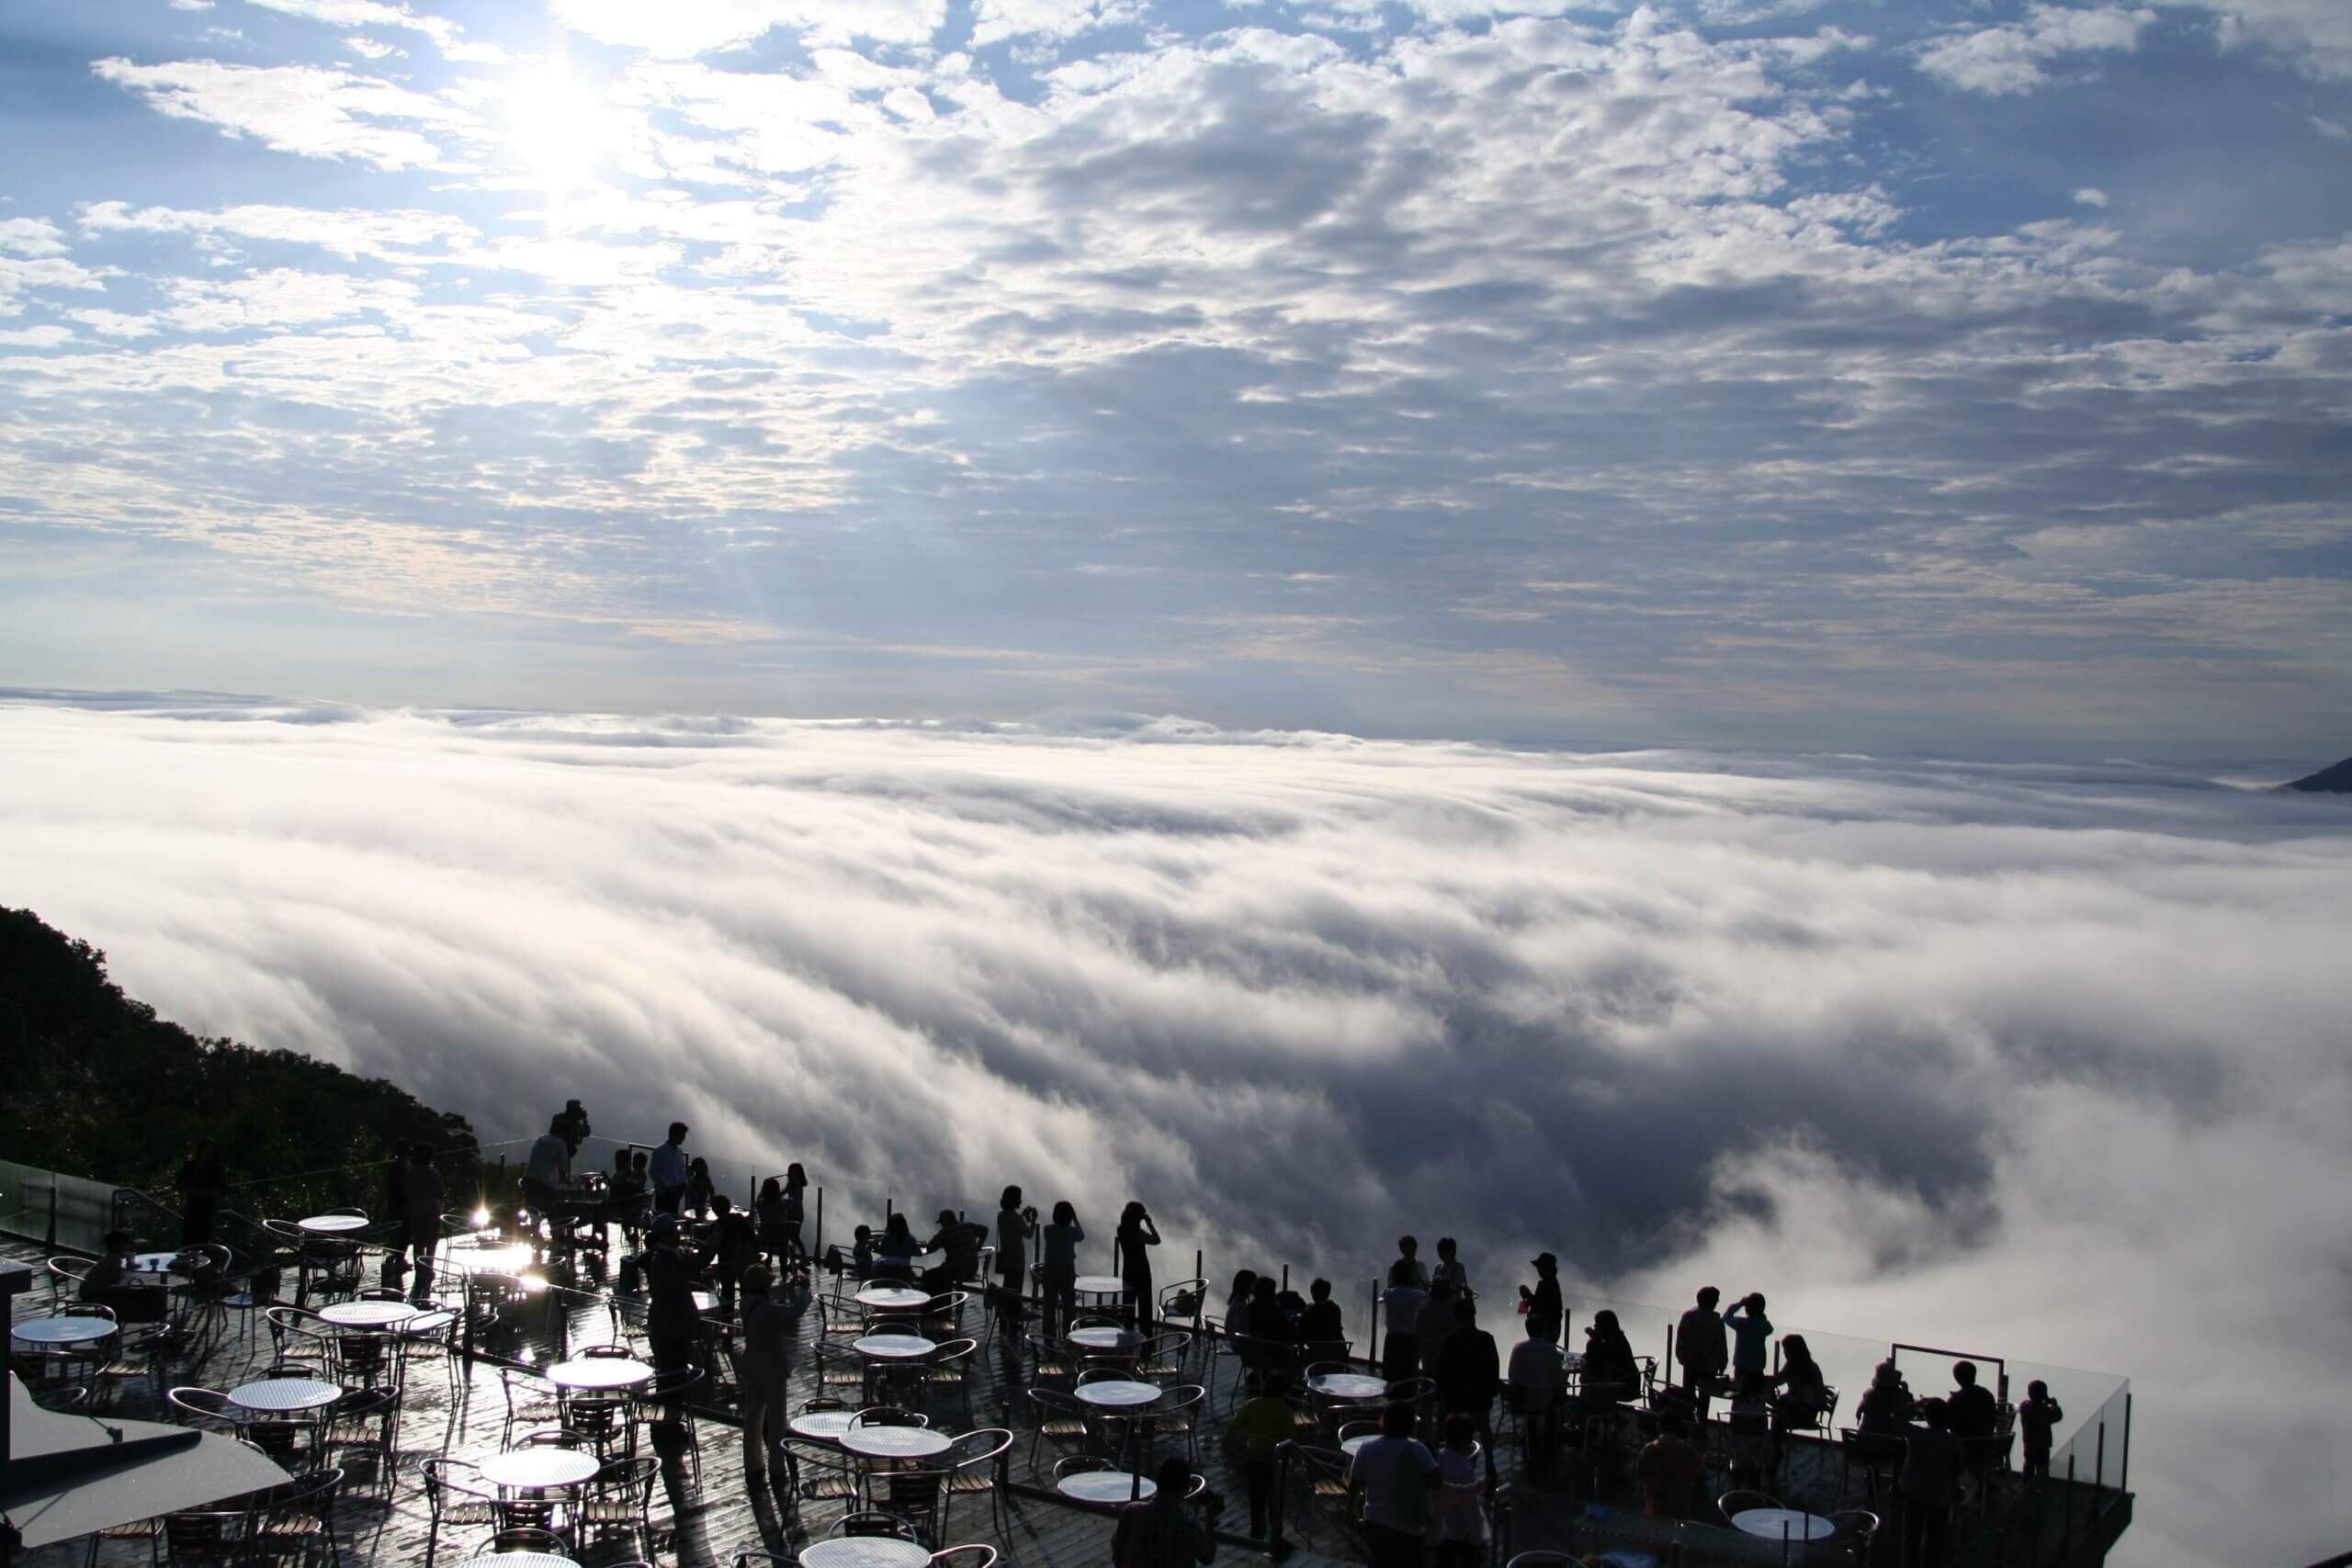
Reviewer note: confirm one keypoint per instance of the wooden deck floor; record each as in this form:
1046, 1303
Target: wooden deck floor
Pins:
383, 1520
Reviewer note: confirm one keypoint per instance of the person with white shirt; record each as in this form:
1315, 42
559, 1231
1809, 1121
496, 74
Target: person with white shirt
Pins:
1537, 1376
1397, 1477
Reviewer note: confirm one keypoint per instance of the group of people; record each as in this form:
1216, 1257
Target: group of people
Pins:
1056, 1243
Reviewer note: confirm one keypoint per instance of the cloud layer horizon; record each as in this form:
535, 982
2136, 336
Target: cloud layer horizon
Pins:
2045, 1060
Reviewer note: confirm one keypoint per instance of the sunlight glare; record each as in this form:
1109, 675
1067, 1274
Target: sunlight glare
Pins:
562, 131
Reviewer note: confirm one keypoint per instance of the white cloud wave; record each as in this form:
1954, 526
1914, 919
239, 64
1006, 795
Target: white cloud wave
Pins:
2039, 1059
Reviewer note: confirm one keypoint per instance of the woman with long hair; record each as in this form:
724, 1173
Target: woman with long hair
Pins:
1136, 1234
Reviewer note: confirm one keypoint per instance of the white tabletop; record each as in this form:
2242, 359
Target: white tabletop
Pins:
866, 1552
368, 1315
600, 1372
539, 1466
893, 1346
278, 1396
332, 1225
1103, 1338
61, 1330
156, 1262
821, 1426
1100, 1285
705, 1301
892, 1298
1349, 1445
1772, 1523
895, 1442
1349, 1385
1104, 1486
1117, 1391
518, 1559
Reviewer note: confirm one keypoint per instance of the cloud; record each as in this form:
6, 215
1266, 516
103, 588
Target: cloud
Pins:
384, 234
2038, 1059
699, 26
2012, 57
306, 109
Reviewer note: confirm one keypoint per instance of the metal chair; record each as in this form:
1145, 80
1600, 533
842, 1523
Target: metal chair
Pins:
1178, 1414
433, 1336
357, 1408
529, 1397
949, 1370
1061, 1419
621, 1497
1164, 1357
873, 1521
294, 1520
455, 1494
212, 1538
981, 1555
1740, 1502
978, 1467
672, 1394
521, 1537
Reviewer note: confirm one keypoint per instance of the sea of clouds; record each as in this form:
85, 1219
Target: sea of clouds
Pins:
2046, 1061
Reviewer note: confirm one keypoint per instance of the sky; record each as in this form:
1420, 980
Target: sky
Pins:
1728, 373
2043, 1060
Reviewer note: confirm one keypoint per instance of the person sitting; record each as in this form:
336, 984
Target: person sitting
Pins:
1157, 1532
958, 1242
1610, 1374
1673, 1476
1319, 1329
1801, 1391
1272, 1337
624, 1188
1971, 1410
2037, 1418
1886, 1405
894, 1250
109, 1283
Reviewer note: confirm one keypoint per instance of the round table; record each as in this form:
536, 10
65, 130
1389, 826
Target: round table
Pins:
332, 1225
1349, 1445
1349, 1385
368, 1315
1102, 1339
893, 1346
1100, 1285
156, 1266
892, 1298
518, 1559
895, 1442
600, 1375
282, 1396
821, 1426
1105, 1487
540, 1468
866, 1552
1779, 1524
68, 1330
1116, 1394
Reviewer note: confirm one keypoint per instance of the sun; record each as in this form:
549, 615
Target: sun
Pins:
562, 131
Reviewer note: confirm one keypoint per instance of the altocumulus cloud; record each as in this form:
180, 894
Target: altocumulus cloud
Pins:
2049, 1060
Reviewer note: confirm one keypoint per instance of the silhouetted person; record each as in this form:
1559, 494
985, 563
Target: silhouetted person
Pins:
1886, 1405
1014, 1226
734, 1248
1237, 1304
1161, 1532
894, 1249
1700, 1346
1273, 1339
1800, 1392
1751, 1337
1396, 1510
1460, 1528
958, 1242
1400, 1353
1673, 1476
1538, 1378
1263, 1422
1469, 1369
1319, 1328
1431, 1329
625, 1188
1933, 1462
700, 1188
202, 1182
1058, 1267
1409, 1257
1971, 1410
771, 1317
672, 1322
109, 1283
1136, 1236
2036, 1419
1450, 1269
575, 1126
669, 1170
420, 1193
1610, 1374
796, 1207
547, 1177
1545, 1316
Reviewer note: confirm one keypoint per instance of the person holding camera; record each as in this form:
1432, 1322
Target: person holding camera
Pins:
1015, 1224
1160, 1532
771, 1329
1136, 1235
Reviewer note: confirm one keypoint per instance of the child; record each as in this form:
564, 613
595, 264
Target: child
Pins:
2037, 1415
1460, 1526
1259, 1425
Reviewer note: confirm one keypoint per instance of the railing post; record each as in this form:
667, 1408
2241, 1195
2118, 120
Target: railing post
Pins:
1276, 1547
818, 1250
2067, 1525
2102, 1448
1371, 1341
2123, 1481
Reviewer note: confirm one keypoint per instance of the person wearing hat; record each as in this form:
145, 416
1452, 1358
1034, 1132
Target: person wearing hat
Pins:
1544, 1314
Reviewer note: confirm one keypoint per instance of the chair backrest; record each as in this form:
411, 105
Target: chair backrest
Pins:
1052, 1404
1732, 1503
74, 1269
762, 1560
978, 1447
1412, 1391
1079, 1464
1171, 1346
1180, 1400
1543, 1559
673, 1384
808, 1406
873, 1521
975, 1555
555, 1438
522, 1537
615, 1352
207, 1404
889, 1416
953, 1350
446, 1475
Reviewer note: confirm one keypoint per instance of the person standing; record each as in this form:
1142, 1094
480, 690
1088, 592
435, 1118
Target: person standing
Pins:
547, 1176
1460, 1528
1469, 1370
1262, 1423
203, 1181
1400, 1353
1450, 1269
1933, 1462
575, 1126
1322, 1335
672, 1322
1700, 1347
772, 1316
420, 1193
1014, 1226
2037, 1418
1538, 1377
1395, 1475
1136, 1234
1751, 1337
667, 1169
1545, 1316
796, 1207
1058, 1267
